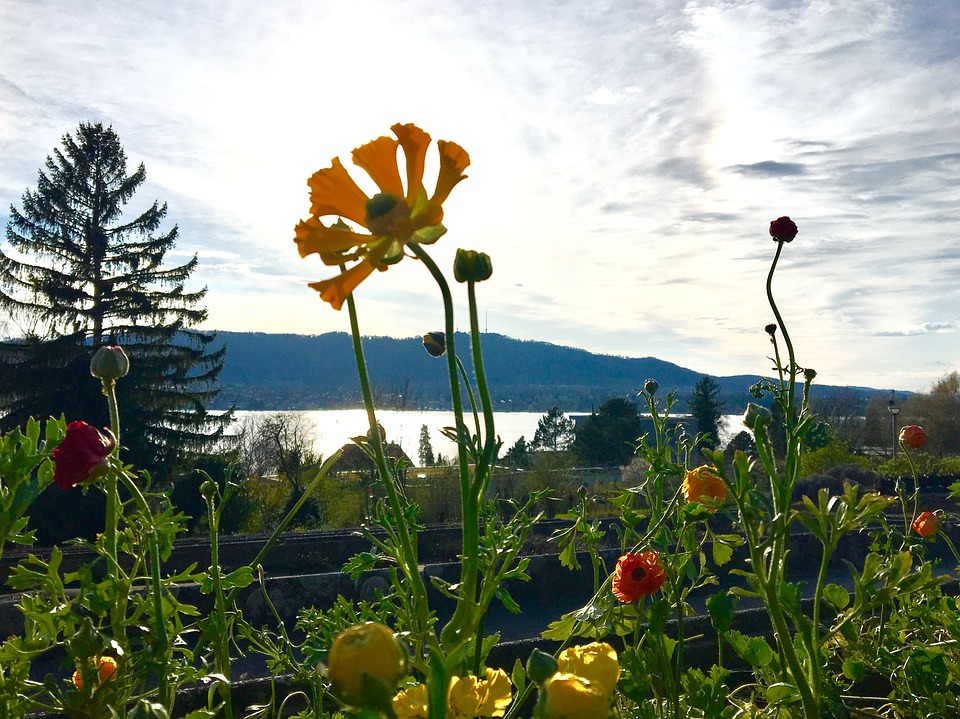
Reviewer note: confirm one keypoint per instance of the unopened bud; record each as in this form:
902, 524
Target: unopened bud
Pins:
809, 374
435, 343
770, 329
472, 266
540, 666
109, 363
757, 416
651, 386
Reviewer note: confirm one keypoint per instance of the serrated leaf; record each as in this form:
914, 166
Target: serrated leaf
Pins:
722, 553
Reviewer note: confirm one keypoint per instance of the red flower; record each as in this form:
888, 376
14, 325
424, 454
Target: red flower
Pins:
81, 455
927, 524
637, 575
783, 229
913, 436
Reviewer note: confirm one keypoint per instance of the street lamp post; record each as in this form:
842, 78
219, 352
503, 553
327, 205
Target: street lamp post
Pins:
894, 411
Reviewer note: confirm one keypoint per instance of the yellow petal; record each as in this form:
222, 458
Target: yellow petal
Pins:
333, 192
337, 289
414, 142
312, 236
463, 697
499, 693
379, 159
411, 703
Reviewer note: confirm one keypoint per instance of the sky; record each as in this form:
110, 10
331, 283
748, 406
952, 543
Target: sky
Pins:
626, 161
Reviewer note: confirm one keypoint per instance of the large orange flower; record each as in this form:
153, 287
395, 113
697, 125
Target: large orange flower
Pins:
401, 212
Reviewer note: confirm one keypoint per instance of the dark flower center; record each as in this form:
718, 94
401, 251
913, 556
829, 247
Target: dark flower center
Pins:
388, 216
638, 574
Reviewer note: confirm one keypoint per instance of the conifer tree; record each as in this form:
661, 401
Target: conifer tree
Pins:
707, 410
79, 272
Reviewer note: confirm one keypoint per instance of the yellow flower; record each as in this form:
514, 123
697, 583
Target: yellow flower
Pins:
704, 483
393, 217
467, 698
596, 662
411, 703
567, 696
365, 649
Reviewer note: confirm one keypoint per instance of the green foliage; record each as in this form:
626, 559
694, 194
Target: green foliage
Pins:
609, 435
86, 274
707, 410
834, 454
554, 432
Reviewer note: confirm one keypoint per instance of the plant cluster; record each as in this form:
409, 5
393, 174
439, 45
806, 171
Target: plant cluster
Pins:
873, 635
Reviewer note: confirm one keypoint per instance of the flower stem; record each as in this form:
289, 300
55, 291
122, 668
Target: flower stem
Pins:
408, 550
462, 625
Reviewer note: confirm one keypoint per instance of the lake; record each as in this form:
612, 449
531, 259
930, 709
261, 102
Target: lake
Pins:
334, 427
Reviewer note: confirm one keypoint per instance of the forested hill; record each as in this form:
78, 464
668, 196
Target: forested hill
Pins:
285, 371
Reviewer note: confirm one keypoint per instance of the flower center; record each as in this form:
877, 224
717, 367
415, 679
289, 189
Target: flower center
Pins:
638, 574
388, 216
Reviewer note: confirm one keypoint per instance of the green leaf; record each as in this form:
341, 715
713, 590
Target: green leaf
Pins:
507, 600
753, 650
837, 596
721, 607
722, 553
853, 669
781, 691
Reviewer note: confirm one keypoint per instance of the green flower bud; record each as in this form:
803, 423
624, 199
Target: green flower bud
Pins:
651, 386
435, 343
541, 666
109, 363
208, 489
757, 416
472, 266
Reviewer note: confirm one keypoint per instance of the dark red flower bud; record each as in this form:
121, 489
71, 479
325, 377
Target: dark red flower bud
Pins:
783, 229
770, 329
81, 455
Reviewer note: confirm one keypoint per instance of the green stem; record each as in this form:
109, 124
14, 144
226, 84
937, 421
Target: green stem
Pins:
462, 625
490, 439
165, 691
113, 500
408, 549
792, 367
221, 646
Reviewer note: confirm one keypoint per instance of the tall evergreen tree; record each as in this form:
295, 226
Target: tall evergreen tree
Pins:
707, 410
554, 431
78, 273
426, 448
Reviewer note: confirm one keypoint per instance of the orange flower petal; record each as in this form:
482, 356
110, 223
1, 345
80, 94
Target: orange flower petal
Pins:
333, 192
414, 142
379, 159
312, 236
337, 289
453, 161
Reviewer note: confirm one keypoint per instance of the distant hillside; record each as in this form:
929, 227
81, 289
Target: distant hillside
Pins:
284, 371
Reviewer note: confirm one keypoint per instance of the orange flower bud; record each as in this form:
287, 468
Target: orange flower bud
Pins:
106, 672
913, 436
927, 524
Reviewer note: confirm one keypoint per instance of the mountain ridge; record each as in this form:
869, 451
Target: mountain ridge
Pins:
282, 371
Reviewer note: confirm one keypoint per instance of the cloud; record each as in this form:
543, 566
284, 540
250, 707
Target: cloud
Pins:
769, 168
925, 328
